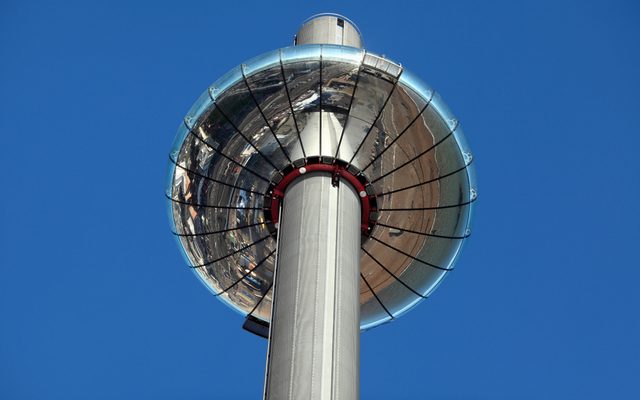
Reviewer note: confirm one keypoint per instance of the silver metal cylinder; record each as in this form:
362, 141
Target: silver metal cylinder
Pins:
314, 342
329, 29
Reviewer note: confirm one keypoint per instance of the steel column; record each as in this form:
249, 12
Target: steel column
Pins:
314, 343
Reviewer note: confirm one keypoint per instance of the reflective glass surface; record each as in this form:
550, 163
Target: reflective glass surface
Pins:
288, 105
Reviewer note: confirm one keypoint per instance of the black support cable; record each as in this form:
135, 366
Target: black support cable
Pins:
187, 203
428, 208
320, 106
246, 139
393, 275
376, 296
353, 95
212, 179
258, 265
423, 233
426, 182
225, 156
395, 85
418, 156
410, 256
261, 298
219, 231
293, 114
230, 254
255, 101
400, 134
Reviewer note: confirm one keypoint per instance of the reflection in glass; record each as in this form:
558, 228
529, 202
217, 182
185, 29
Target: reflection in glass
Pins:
288, 105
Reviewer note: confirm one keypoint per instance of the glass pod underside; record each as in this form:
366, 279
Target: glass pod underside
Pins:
300, 102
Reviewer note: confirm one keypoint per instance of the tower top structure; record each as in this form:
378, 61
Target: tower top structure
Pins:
328, 28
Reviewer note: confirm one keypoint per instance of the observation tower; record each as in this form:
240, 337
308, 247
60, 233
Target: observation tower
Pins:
320, 190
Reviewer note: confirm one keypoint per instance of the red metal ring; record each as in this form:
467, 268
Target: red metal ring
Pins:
367, 202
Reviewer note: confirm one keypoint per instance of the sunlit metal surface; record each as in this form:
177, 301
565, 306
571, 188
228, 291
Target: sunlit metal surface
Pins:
329, 28
286, 106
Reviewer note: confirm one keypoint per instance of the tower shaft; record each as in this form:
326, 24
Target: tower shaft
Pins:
314, 342
329, 29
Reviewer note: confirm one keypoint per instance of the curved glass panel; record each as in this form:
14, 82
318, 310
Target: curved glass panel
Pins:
471, 175
201, 105
445, 113
399, 115
467, 154
239, 108
168, 189
413, 151
369, 98
342, 54
338, 84
181, 135
271, 97
317, 102
372, 312
301, 53
469, 219
261, 62
412, 81
227, 80
398, 299
263, 310
406, 307
463, 145
427, 278
267, 87
302, 80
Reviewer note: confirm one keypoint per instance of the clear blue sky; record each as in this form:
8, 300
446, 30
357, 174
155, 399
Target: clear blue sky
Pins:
96, 302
